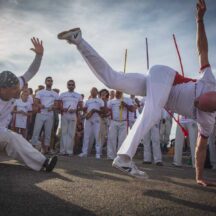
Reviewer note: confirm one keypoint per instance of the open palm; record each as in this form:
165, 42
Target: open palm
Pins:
38, 46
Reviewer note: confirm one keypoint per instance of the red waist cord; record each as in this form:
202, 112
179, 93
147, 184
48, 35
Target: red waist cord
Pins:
181, 79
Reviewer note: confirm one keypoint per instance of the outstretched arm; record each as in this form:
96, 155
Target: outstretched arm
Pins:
34, 67
202, 43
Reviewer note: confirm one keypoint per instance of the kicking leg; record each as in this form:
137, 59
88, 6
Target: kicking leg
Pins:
131, 83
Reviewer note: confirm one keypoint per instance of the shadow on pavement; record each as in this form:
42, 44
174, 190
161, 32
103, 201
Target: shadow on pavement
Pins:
168, 196
177, 176
90, 168
20, 195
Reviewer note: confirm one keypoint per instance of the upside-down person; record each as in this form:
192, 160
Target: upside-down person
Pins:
163, 87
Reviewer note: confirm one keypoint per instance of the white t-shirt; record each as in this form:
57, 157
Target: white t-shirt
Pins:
132, 115
94, 103
114, 105
30, 99
47, 98
70, 100
21, 120
182, 97
6, 107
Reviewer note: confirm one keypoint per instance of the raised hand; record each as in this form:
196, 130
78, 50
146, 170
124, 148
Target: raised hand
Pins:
38, 46
201, 9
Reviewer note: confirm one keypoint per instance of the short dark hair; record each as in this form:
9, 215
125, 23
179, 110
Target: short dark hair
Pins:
49, 77
104, 90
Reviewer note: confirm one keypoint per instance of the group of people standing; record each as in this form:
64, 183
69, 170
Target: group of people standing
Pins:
162, 87
104, 119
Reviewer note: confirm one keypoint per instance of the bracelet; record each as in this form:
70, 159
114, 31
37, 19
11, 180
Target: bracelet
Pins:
199, 20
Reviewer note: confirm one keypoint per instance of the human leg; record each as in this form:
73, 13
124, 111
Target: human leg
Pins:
112, 140
20, 149
179, 141
147, 153
156, 149
39, 121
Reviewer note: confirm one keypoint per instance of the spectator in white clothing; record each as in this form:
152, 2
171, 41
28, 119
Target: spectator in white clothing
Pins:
46, 100
70, 104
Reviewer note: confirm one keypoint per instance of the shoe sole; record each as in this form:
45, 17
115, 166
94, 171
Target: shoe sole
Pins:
129, 174
61, 35
52, 164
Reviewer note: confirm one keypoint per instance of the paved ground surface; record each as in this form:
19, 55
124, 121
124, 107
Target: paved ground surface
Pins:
92, 187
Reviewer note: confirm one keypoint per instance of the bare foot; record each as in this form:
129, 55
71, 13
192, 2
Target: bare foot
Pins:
206, 183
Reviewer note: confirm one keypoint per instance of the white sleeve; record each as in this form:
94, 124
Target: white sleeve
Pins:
33, 68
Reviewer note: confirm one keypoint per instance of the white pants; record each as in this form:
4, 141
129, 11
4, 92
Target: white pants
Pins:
91, 127
47, 121
68, 128
179, 141
152, 137
131, 123
116, 136
20, 149
165, 130
157, 84
212, 147
104, 130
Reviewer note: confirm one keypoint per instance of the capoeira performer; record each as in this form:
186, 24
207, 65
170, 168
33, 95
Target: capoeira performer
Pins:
47, 101
70, 104
105, 118
118, 127
164, 87
93, 107
14, 144
191, 126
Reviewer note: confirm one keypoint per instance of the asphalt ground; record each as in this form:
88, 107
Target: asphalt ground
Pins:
86, 186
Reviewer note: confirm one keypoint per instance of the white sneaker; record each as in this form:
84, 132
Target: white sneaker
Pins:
97, 156
82, 155
130, 168
73, 36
